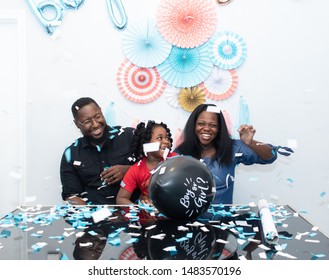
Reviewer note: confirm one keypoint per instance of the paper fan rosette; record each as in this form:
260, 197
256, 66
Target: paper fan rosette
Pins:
143, 44
186, 67
190, 98
140, 85
227, 50
220, 84
186, 23
171, 95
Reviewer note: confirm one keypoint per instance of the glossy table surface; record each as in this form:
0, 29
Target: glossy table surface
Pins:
67, 232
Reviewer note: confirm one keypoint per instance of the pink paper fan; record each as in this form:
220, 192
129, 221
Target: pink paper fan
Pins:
220, 84
186, 23
140, 85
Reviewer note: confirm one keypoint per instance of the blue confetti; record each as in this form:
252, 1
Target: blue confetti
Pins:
64, 257
5, 234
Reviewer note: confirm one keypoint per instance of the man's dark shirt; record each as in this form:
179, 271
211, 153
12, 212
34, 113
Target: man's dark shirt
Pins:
82, 164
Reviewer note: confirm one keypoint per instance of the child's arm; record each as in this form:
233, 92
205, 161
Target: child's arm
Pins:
123, 197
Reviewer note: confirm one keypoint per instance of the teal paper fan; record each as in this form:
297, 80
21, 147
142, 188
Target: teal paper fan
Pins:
186, 67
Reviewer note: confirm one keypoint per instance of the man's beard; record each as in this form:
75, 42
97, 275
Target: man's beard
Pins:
101, 140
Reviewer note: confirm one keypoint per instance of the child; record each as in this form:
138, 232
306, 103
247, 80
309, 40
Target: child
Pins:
151, 144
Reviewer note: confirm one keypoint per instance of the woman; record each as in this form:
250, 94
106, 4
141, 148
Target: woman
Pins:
206, 137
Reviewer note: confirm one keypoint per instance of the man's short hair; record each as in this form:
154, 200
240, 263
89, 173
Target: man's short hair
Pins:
81, 102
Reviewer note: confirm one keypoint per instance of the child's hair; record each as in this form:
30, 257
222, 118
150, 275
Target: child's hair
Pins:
143, 134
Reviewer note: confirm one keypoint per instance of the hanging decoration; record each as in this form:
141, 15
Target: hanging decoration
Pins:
186, 67
109, 114
224, 2
243, 116
143, 45
227, 50
220, 84
50, 13
117, 13
72, 4
140, 85
186, 23
190, 98
48, 23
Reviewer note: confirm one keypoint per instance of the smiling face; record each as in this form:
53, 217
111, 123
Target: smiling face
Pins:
91, 122
206, 128
159, 134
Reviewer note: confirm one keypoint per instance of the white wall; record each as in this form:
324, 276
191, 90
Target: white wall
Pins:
284, 80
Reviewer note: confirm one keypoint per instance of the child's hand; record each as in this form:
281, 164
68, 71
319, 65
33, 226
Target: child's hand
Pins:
145, 199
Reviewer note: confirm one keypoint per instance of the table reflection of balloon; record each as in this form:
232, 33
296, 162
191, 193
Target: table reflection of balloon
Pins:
183, 241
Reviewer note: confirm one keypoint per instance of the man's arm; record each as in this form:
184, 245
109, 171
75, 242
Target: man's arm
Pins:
71, 184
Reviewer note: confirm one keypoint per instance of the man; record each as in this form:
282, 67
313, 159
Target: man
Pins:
92, 168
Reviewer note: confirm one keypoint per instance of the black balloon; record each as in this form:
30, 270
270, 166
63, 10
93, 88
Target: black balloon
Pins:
181, 188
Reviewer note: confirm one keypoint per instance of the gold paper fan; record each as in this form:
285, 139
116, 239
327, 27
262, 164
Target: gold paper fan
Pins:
190, 98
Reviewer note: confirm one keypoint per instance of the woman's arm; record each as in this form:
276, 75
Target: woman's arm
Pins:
247, 132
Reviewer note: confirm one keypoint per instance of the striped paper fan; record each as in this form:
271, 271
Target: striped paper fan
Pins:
220, 84
138, 84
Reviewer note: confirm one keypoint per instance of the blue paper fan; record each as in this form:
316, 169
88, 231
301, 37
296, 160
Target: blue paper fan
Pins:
143, 44
186, 67
227, 50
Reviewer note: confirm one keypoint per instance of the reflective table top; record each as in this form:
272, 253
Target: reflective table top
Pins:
67, 232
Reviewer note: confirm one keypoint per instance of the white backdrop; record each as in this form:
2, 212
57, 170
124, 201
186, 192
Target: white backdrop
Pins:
284, 81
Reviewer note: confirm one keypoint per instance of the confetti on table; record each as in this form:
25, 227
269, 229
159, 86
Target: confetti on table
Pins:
116, 241
5, 233
159, 236
254, 240
182, 228
286, 255
317, 256
38, 246
132, 240
222, 241
101, 215
170, 249
312, 240
181, 239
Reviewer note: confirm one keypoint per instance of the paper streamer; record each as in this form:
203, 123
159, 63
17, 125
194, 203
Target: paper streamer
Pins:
269, 230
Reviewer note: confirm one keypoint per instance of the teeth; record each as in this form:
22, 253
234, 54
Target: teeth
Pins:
205, 135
